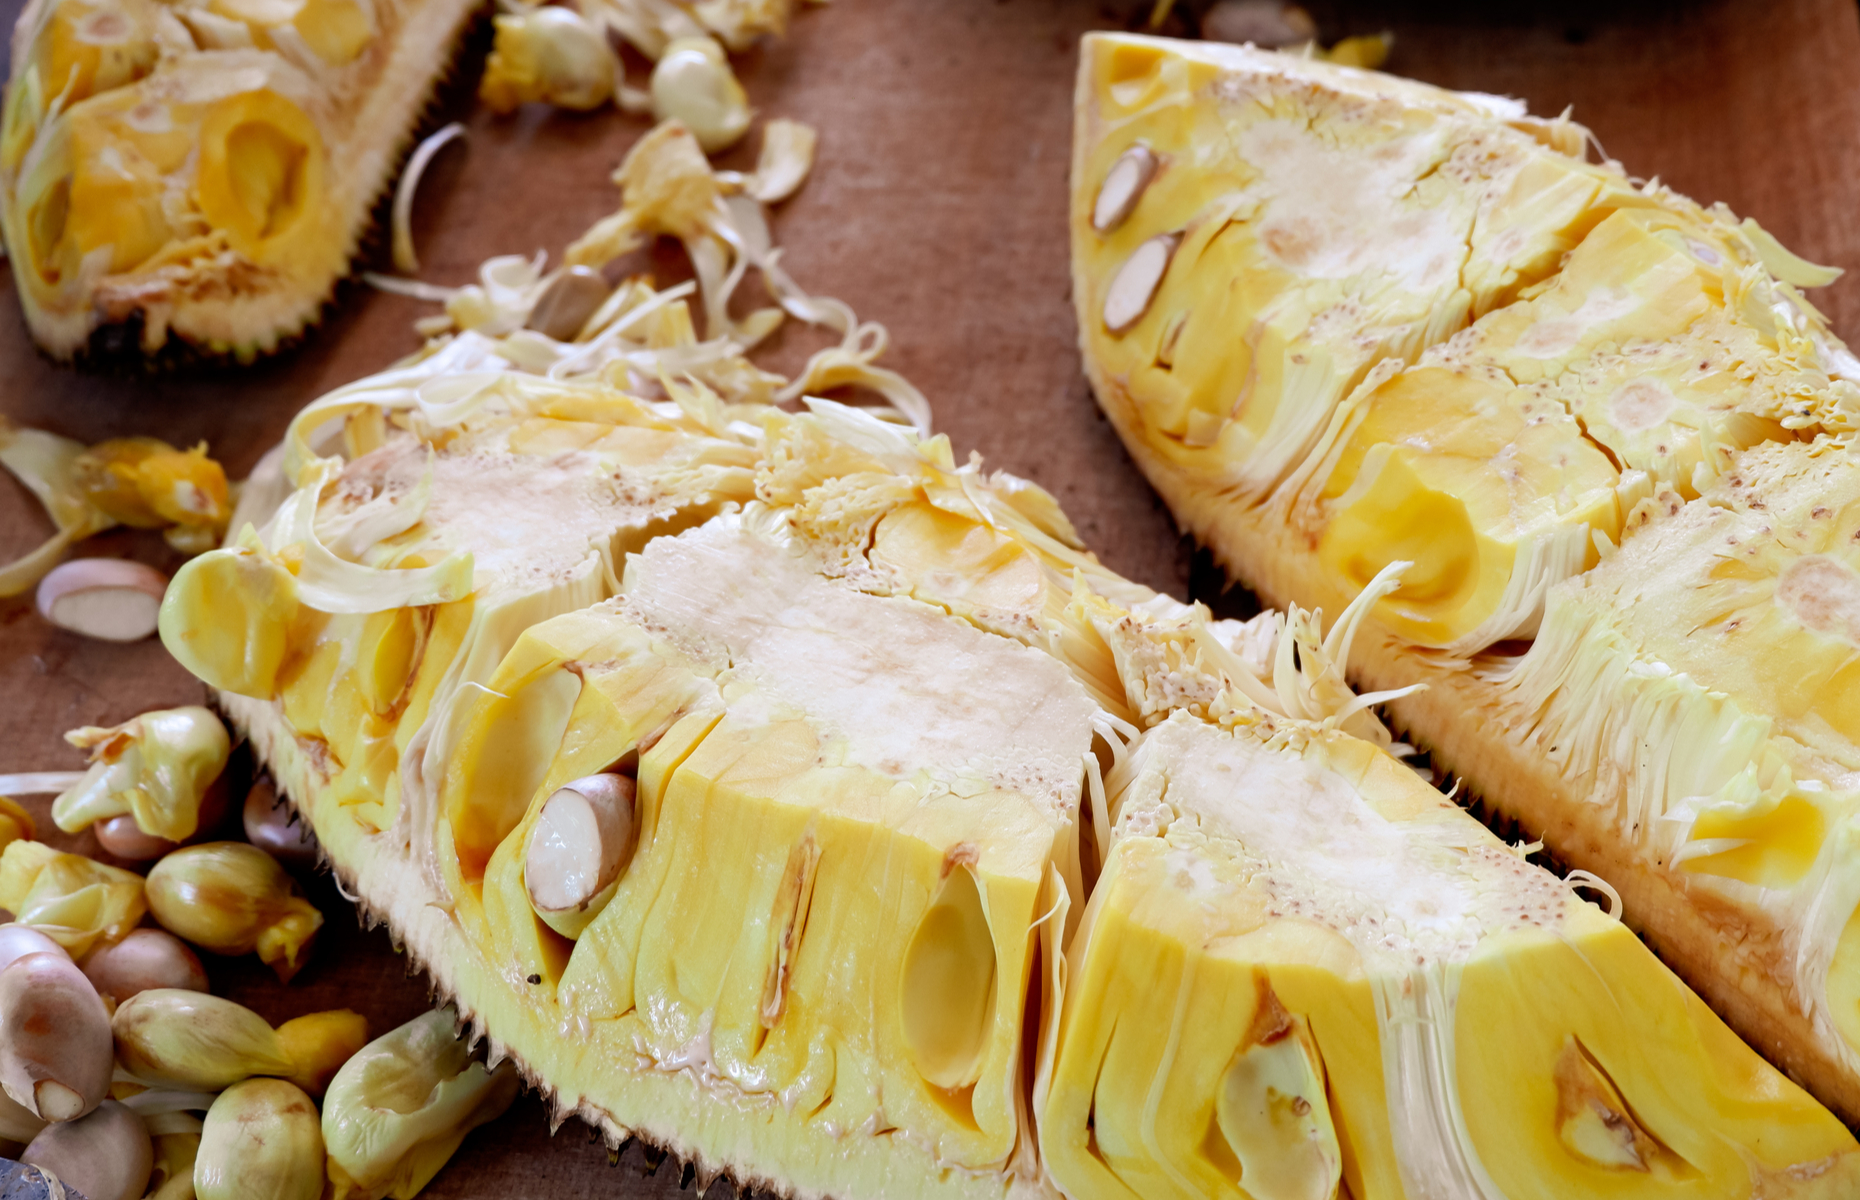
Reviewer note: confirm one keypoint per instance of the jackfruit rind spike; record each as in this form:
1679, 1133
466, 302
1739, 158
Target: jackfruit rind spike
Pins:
234, 248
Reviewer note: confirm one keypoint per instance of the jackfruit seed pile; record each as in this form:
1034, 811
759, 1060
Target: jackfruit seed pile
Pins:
110, 1042
1344, 320
772, 788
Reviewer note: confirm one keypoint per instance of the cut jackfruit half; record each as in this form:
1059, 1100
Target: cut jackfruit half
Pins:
205, 169
1610, 442
887, 731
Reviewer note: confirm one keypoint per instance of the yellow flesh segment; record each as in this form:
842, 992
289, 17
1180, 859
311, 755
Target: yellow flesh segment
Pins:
1571, 1062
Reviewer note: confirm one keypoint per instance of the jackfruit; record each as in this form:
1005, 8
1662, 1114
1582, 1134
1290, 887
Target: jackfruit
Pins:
895, 700
1302, 967
1600, 422
203, 170
156, 767
76, 901
876, 695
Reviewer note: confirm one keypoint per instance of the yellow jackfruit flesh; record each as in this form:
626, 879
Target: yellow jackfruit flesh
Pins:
1345, 321
76, 901
1301, 966
398, 1109
156, 767
204, 168
898, 705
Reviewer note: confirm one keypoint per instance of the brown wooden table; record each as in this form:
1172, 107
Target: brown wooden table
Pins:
938, 207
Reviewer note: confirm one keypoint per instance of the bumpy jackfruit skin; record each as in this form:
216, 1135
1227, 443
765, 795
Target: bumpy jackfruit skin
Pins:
204, 169
873, 690
1517, 453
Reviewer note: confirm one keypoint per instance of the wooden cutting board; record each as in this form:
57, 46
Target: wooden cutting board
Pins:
937, 207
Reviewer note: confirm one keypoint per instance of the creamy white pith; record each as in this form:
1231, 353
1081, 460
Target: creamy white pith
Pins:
1422, 891
1326, 210
526, 519
896, 685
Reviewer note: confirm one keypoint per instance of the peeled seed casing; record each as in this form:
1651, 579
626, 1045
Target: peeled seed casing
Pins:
233, 898
145, 960
107, 1155
55, 1057
262, 1141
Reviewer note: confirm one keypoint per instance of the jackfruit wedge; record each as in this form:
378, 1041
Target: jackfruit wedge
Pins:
879, 721
1304, 973
204, 169
1647, 371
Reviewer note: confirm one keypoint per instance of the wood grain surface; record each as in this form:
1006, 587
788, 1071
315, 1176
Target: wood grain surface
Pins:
937, 207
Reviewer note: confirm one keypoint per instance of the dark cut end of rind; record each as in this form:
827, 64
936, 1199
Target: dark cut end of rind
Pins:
114, 349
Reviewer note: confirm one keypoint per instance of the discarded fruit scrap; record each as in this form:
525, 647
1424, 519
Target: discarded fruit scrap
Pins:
1602, 424
201, 172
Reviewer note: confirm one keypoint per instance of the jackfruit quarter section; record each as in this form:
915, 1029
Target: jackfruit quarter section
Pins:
203, 170
729, 854
730, 780
1304, 973
802, 951
1585, 355
853, 814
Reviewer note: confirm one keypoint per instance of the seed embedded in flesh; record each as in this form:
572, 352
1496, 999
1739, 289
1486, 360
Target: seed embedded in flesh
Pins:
582, 839
193, 1040
1134, 285
1123, 186
124, 839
